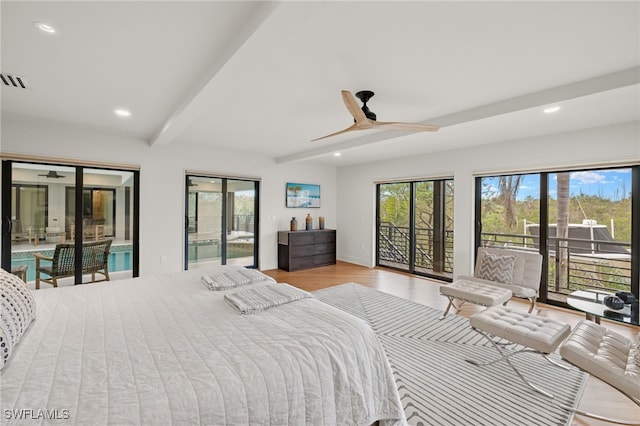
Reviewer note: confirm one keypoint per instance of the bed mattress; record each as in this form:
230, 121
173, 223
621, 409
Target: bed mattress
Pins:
167, 350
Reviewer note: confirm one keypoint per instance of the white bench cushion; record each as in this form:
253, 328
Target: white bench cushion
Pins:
476, 292
533, 331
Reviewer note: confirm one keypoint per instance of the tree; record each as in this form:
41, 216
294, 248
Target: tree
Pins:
562, 226
508, 187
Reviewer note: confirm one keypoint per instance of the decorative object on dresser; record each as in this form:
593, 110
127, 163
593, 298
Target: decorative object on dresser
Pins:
321, 222
308, 249
293, 224
308, 223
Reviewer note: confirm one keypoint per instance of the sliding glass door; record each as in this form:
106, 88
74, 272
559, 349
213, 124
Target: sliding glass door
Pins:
415, 227
583, 222
220, 225
42, 208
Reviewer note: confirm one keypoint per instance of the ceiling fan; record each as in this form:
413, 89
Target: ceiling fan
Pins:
53, 175
364, 118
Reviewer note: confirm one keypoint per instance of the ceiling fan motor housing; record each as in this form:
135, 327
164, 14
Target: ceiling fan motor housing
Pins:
364, 96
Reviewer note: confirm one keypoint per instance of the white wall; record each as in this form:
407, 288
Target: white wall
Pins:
162, 170
356, 197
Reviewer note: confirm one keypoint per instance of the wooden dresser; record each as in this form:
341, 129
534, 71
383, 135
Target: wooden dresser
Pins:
306, 249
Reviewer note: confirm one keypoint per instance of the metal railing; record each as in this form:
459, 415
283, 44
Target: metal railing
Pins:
241, 222
574, 263
394, 246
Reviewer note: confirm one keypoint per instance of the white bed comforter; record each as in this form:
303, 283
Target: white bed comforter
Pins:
166, 350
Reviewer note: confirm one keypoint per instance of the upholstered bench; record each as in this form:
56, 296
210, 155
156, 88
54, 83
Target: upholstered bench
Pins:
535, 333
611, 357
474, 292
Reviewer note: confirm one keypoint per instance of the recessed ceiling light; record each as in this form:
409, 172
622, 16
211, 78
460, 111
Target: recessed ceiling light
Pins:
552, 109
336, 154
45, 28
121, 112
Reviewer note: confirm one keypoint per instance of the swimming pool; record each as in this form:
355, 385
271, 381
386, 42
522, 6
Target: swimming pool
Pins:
120, 259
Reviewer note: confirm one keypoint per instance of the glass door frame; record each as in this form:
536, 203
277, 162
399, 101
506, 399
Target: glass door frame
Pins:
225, 212
543, 237
439, 232
5, 194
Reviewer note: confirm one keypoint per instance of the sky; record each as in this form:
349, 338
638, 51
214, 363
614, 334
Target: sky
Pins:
612, 184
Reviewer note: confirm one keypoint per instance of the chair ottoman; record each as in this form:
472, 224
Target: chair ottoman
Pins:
474, 292
535, 333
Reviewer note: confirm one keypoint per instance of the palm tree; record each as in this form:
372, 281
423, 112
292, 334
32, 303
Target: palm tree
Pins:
562, 227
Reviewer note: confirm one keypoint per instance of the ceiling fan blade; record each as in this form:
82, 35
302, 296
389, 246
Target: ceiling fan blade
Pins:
348, 129
416, 127
353, 106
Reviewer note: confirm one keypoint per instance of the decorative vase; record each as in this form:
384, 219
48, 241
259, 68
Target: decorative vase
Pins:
293, 225
321, 222
309, 222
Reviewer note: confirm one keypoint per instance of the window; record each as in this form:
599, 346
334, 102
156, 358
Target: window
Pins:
581, 221
415, 227
41, 208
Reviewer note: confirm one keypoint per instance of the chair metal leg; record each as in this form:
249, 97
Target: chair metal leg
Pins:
557, 364
446, 311
504, 356
628, 422
599, 417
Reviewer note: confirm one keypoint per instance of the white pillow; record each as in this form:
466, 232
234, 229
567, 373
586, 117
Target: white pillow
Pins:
496, 268
17, 310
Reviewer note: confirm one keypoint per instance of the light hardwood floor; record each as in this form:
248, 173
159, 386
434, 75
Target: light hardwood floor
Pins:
598, 396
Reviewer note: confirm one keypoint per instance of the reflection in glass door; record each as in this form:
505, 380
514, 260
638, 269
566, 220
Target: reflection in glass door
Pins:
220, 221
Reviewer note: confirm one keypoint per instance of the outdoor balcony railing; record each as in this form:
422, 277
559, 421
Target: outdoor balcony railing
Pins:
394, 247
576, 264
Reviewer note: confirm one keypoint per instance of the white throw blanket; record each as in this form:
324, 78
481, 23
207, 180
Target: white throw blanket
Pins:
259, 299
229, 276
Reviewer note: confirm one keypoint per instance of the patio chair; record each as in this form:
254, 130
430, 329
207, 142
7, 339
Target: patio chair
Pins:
95, 256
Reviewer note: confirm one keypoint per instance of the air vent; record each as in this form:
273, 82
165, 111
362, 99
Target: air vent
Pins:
13, 81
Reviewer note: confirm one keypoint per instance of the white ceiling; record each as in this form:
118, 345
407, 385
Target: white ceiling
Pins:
265, 78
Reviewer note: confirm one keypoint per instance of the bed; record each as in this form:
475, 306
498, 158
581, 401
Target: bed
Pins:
167, 350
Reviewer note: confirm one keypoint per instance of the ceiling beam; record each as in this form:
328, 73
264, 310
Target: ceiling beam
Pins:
578, 89
194, 105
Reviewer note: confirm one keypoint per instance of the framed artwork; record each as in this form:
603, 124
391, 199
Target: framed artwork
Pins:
303, 195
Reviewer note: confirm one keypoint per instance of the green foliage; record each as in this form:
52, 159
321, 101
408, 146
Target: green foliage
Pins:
581, 207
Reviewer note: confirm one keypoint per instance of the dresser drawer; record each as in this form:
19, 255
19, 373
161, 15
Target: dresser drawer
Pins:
324, 248
324, 237
324, 259
300, 251
302, 263
300, 238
